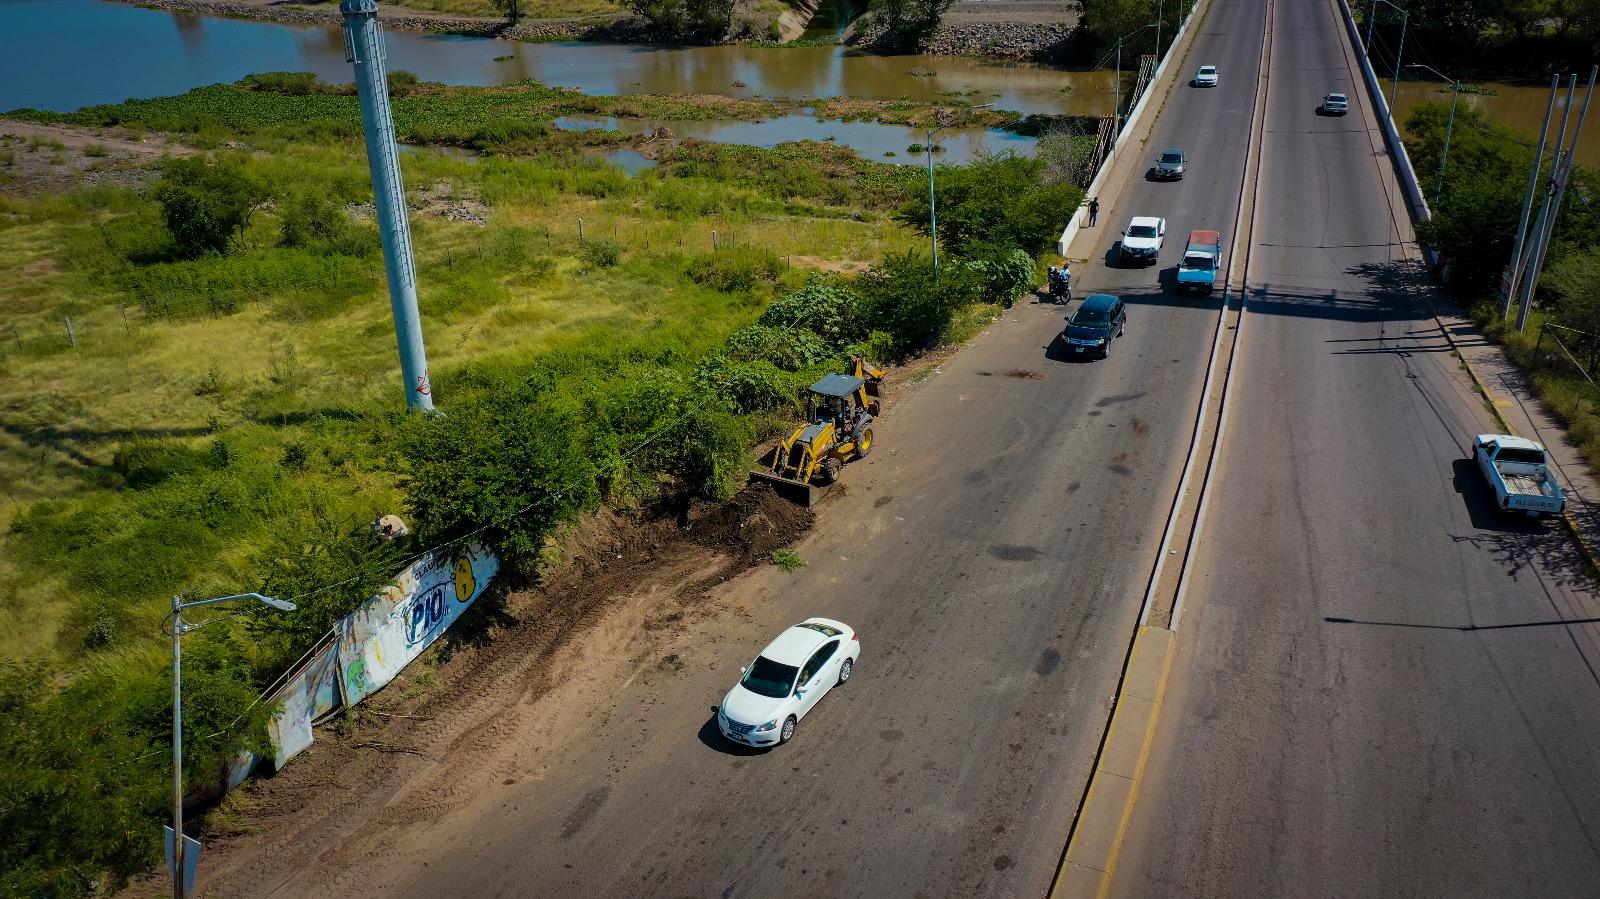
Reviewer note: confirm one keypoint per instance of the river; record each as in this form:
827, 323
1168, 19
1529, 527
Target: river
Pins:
1513, 105
65, 54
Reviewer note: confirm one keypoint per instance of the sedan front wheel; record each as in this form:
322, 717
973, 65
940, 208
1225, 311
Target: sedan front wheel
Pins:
787, 733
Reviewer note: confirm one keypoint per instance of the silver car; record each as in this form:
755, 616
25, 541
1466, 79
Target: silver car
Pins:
1335, 104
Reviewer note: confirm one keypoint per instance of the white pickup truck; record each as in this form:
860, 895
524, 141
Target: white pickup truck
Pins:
1516, 469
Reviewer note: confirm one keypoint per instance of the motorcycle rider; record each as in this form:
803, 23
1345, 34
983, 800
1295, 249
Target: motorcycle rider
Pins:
1060, 280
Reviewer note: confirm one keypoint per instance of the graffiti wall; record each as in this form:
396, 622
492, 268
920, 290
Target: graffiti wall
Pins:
379, 639
373, 644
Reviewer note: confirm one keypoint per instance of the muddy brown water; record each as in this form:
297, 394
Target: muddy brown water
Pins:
64, 54
1513, 106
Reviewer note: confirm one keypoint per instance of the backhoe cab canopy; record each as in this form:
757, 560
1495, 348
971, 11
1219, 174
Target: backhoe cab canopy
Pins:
837, 385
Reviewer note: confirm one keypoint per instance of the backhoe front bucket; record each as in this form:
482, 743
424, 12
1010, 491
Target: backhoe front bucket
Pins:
797, 492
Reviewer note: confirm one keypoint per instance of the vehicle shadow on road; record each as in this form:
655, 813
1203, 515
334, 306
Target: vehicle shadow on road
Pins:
1519, 543
711, 736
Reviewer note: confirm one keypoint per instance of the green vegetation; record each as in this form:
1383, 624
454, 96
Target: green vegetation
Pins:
1515, 38
906, 23
1475, 216
229, 417
1473, 226
702, 19
787, 560
529, 9
295, 105
1104, 21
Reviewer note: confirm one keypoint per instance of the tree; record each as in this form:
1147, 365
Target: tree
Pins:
684, 18
908, 22
206, 206
512, 9
1575, 281
1107, 20
902, 297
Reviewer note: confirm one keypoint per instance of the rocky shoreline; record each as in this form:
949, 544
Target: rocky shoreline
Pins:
995, 31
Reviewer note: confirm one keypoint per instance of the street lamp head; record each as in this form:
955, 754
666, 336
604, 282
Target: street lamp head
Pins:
281, 605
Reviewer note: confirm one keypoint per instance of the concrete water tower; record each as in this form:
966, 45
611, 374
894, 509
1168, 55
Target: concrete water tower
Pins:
363, 44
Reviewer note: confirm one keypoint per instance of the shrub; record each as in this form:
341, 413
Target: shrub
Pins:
1003, 275
826, 305
517, 460
788, 348
600, 253
312, 221
205, 206
744, 387
293, 84
684, 18
736, 269
902, 297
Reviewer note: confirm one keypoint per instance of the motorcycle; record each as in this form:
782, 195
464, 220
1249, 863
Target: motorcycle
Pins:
1060, 285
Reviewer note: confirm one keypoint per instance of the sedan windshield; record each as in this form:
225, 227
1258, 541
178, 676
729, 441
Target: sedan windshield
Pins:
1141, 231
1090, 317
1208, 70
770, 678
1172, 158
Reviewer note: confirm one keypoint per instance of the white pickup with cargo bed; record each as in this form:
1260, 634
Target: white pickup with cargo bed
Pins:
1518, 472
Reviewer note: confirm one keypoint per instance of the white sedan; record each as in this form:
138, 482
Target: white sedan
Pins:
787, 680
1206, 77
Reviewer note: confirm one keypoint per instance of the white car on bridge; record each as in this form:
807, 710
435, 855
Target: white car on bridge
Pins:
1141, 243
787, 680
1206, 77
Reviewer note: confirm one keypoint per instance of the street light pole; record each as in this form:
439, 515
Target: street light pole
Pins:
1449, 128
933, 215
178, 630
177, 747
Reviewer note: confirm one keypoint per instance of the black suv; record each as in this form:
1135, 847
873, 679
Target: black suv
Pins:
1101, 319
1170, 166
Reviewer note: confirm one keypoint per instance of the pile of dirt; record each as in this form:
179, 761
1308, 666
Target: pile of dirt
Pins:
750, 526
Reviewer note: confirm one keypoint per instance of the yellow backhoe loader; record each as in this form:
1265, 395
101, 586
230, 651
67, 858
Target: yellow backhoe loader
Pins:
840, 410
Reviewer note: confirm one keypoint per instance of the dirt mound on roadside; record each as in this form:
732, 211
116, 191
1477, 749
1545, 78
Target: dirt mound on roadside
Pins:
751, 525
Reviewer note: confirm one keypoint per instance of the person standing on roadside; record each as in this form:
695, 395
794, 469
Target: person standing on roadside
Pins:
1094, 211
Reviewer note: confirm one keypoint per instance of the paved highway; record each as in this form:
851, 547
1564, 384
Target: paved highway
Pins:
992, 553
1382, 687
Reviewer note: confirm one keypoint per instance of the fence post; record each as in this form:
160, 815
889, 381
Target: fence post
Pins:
1537, 344
713, 240
580, 230
125, 328
71, 335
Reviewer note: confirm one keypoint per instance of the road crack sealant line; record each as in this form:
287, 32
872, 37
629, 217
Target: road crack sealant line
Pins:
1073, 878
1416, 205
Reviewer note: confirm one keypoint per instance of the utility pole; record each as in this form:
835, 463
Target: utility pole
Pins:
363, 41
1515, 264
933, 218
1558, 184
1528, 274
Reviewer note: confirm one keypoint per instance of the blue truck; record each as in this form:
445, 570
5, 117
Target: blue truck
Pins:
1197, 273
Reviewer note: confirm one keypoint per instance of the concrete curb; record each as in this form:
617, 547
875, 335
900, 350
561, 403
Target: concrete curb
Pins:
1135, 116
1091, 857
1417, 203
